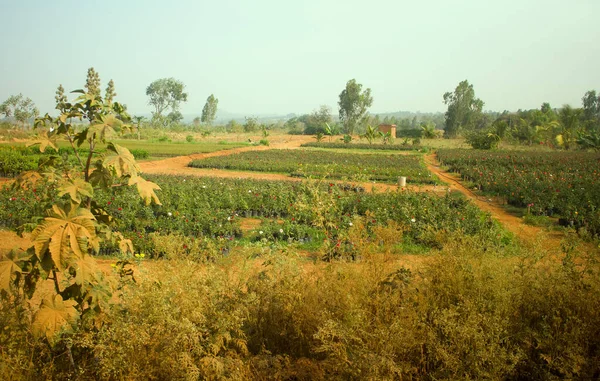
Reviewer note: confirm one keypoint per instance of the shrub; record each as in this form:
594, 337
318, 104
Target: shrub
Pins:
482, 139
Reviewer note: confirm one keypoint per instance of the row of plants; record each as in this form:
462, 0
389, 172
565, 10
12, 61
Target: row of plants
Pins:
386, 147
18, 159
316, 163
211, 208
560, 184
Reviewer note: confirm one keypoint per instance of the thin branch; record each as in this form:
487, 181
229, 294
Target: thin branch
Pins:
75, 150
55, 277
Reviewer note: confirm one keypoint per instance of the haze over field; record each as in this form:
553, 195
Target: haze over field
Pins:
274, 57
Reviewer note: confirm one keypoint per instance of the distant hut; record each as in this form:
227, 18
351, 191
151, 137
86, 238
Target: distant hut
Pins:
385, 128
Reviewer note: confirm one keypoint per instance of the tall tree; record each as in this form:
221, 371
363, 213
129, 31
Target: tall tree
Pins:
209, 112
569, 119
353, 104
591, 109
164, 94
20, 108
464, 110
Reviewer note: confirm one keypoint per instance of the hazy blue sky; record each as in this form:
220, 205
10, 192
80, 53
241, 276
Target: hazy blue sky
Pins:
277, 56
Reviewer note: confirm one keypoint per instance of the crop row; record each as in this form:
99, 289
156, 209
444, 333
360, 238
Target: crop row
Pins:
563, 184
316, 163
213, 208
14, 160
365, 146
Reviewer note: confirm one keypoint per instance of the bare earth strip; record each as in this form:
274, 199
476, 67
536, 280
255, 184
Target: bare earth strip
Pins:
179, 166
512, 223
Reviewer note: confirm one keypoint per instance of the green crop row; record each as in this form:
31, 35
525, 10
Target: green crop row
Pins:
562, 184
213, 208
309, 163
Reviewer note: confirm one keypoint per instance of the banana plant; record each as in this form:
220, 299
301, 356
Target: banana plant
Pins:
370, 134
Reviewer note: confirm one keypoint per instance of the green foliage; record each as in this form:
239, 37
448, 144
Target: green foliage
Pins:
347, 139
482, 139
319, 136
322, 163
20, 108
209, 112
165, 94
75, 224
550, 183
353, 105
589, 140
370, 134
428, 131
464, 109
360, 146
251, 124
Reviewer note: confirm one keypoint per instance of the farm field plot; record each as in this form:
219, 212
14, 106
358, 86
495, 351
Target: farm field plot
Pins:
560, 184
304, 163
212, 209
362, 146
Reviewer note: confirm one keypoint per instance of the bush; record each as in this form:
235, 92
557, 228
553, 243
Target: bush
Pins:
483, 139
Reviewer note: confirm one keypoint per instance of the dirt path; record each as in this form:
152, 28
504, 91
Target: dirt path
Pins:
512, 223
179, 166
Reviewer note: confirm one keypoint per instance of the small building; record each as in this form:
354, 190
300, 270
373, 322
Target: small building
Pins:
385, 128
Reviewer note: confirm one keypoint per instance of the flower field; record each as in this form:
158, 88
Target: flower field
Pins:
211, 209
561, 184
305, 163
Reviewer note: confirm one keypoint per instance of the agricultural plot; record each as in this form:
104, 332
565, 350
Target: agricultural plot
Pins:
316, 163
363, 146
211, 210
560, 184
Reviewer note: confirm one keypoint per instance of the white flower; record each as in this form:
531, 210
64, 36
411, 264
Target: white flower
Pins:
170, 214
349, 223
249, 191
203, 186
281, 230
260, 232
183, 180
413, 220
228, 218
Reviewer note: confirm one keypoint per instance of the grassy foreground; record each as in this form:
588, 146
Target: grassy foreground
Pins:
267, 313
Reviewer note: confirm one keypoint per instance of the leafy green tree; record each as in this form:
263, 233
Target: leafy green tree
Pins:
20, 108
174, 117
209, 112
463, 109
251, 124
569, 119
165, 94
591, 109
353, 104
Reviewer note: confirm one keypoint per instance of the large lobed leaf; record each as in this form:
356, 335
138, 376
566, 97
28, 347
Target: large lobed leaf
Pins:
146, 189
54, 316
120, 161
11, 266
104, 127
44, 141
65, 234
76, 188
